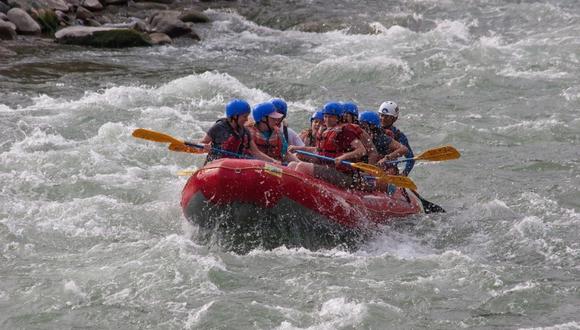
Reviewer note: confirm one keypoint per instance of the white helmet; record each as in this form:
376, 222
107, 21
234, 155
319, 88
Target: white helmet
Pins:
389, 108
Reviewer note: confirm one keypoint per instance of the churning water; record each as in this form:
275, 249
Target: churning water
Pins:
91, 231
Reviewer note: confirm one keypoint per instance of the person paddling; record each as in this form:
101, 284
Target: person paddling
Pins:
340, 142
387, 147
389, 113
350, 117
230, 134
309, 136
290, 135
266, 134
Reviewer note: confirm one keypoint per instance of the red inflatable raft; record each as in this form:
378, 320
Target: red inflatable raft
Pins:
273, 205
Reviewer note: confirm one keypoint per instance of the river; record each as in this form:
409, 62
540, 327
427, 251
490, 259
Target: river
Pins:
92, 234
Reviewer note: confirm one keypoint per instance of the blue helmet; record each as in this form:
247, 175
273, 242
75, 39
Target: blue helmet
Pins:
332, 108
350, 107
280, 105
262, 110
370, 117
237, 107
318, 115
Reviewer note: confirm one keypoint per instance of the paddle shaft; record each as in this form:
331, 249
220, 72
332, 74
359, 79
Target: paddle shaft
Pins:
221, 151
321, 157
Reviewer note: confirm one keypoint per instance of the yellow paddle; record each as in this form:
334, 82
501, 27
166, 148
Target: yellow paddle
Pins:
400, 181
174, 144
434, 155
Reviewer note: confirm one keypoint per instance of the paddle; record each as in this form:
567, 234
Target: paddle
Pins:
435, 155
401, 181
174, 144
178, 145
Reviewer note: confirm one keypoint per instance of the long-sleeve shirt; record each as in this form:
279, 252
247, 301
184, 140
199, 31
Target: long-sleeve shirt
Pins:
402, 139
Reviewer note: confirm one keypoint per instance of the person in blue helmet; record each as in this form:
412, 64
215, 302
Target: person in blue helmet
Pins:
290, 135
387, 148
350, 114
350, 118
230, 134
389, 113
309, 136
339, 142
266, 134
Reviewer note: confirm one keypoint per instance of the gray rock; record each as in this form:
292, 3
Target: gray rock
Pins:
108, 37
22, 4
55, 4
94, 5
160, 38
92, 22
6, 52
7, 31
168, 22
24, 23
3, 16
147, 5
194, 16
83, 13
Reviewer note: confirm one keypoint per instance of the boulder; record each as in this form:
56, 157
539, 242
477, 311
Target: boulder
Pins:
168, 22
107, 37
93, 5
92, 22
147, 6
3, 16
7, 31
22, 4
84, 14
54, 4
24, 23
194, 16
160, 38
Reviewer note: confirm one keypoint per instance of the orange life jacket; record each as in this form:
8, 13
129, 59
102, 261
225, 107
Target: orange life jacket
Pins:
270, 146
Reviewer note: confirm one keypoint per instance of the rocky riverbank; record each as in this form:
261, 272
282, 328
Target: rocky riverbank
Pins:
99, 23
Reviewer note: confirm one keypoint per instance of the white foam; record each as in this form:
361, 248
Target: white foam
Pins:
72, 287
194, 316
562, 326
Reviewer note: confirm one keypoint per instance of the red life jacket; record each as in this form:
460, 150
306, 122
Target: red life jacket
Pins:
235, 142
271, 146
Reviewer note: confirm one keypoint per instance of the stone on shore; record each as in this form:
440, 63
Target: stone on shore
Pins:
159, 1
24, 23
160, 38
93, 5
54, 4
4, 8
168, 22
7, 31
105, 37
194, 16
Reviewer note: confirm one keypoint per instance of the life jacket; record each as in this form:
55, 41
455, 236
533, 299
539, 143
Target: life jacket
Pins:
271, 146
392, 132
235, 142
328, 146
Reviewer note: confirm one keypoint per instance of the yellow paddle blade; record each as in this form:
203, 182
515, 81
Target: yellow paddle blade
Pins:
368, 168
188, 172
149, 135
181, 147
397, 180
439, 154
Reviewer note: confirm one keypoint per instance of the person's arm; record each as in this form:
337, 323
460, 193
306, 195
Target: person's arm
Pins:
409, 164
398, 150
260, 155
358, 152
294, 138
206, 142
294, 148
